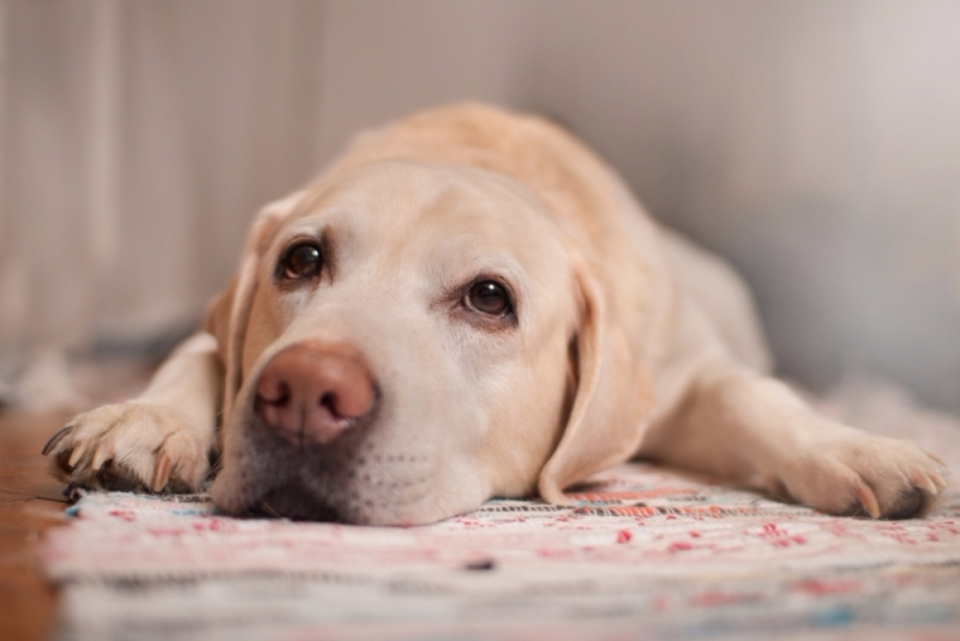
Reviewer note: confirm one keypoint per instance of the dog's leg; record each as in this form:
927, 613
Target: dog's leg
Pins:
756, 431
161, 439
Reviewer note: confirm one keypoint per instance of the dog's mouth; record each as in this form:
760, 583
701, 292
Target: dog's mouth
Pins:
293, 501
362, 477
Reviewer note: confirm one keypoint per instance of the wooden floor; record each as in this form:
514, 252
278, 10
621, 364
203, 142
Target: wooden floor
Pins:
30, 503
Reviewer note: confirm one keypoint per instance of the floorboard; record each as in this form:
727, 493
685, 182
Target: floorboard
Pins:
30, 503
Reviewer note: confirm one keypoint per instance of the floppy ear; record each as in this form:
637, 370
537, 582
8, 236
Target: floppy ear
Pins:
613, 395
229, 312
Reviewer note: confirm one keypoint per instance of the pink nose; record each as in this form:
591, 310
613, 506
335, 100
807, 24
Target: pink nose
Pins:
313, 392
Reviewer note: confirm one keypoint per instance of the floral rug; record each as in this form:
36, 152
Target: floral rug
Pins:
644, 553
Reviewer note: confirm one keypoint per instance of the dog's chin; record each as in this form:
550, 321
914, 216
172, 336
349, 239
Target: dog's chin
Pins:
360, 479
316, 499
293, 501
298, 501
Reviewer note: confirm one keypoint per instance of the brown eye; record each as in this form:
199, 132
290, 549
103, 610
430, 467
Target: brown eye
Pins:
489, 297
303, 260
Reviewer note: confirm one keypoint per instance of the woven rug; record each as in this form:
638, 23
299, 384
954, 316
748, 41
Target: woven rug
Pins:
644, 552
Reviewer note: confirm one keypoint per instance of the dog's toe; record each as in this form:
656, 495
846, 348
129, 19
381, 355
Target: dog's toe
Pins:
131, 447
861, 474
915, 502
906, 506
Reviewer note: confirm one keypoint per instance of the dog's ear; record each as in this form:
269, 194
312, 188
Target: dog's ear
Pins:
229, 312
606, 420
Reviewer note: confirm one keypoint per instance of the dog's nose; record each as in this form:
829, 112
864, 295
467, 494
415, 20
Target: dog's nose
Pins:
313, 392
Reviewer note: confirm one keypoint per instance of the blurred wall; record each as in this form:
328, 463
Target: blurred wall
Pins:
137, 140
815, 144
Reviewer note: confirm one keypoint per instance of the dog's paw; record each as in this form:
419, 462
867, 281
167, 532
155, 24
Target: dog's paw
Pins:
134, 446
861, 474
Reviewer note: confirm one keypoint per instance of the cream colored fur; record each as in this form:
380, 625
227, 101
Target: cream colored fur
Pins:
630, 340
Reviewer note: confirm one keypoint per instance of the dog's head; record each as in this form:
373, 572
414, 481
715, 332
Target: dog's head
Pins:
404, 341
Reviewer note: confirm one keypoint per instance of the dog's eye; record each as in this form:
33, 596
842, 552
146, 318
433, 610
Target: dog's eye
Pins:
303, 260
489, 297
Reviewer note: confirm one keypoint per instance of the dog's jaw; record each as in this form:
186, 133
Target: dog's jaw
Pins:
363, 478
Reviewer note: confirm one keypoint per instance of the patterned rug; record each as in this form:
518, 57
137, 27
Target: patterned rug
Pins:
644, 553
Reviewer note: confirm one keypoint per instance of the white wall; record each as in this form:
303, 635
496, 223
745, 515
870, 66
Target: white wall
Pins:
139, 138
816, 144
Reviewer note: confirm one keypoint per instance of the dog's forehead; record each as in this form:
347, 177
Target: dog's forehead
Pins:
413, 210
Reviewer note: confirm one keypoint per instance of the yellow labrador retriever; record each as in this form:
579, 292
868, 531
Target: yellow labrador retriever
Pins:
471, 304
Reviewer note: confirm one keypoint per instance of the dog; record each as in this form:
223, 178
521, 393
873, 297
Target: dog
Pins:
469, 303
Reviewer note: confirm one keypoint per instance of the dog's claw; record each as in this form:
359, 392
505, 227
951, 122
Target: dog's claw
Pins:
78, 451
56, 438
101, 455
868, 500
926, 483
161, 473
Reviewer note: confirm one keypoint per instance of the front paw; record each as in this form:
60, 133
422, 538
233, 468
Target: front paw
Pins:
856, 473
134, 446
